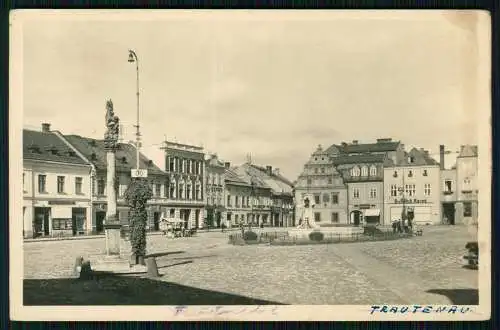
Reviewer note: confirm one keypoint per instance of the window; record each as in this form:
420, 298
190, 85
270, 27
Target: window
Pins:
335, 198
317, 216
373, 192
100, 186
229, 217
364, 171
309, 181
427, 189
237, 201
355, 171
158, 189
326, 198
78, 185
330, 180
466, 181
467, 209
181, 190
316, 171
335, 217
198, 191
410, 189
189, 191
171, 166
394, 190
61, 224
448, 186
425, 173
355, 193
395, 174
173, 190
236, 219
373, 170
172, 213
316, 199
248, 201
24, 184
41, 183
322, 170
60, 184
410, 173
229, 200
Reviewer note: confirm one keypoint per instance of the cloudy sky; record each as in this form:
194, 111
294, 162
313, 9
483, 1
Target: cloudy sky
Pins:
270, 84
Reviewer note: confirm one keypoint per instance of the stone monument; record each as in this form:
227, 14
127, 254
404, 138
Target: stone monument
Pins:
113, 260
307, 215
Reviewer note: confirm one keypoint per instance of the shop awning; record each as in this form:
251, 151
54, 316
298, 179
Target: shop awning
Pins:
372, 213
61, 212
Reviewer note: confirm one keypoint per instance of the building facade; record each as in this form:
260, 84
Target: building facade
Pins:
215, 191
413, 185
459, 195
364, 177
93, 151
321, 179
185, 169
56, 187
238, 199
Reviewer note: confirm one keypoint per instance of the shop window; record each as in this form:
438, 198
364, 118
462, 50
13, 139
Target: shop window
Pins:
61, 224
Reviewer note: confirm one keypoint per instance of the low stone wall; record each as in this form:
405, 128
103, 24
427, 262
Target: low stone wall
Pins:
327, 231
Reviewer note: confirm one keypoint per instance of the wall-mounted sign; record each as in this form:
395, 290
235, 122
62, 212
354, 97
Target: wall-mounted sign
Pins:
62, 202
409, 200
139, 173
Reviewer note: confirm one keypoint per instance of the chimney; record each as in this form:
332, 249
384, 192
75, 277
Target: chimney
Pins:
227, 164
441, 156
46, 127
354, 141
269, 169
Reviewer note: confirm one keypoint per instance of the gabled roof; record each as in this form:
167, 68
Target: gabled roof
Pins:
47, 146
95, 152
277, 183
356, 159
230, 176
419, 158
385, 146
246, 174
468, 151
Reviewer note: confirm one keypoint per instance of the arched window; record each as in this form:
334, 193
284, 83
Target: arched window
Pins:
364, 171
189, 190
181, 190
198, 190
173, 189
355, 171
373, 170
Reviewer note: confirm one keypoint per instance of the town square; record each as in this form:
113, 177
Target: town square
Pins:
239, 162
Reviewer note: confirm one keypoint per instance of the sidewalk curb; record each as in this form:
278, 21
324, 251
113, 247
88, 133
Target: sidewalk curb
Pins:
77, 238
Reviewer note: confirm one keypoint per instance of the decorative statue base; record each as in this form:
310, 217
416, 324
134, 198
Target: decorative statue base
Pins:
307, 215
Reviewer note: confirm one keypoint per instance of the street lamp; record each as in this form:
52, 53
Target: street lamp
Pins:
132, 57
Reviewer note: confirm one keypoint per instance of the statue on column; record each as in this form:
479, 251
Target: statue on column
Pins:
112, 125
307, 215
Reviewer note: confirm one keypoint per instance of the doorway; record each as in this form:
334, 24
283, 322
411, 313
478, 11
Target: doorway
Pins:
78, 220
99, 221
41, 225
184, 215
156, 221
356, 217
449, 213
197, 219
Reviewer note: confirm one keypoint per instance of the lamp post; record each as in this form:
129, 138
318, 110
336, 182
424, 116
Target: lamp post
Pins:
132, 57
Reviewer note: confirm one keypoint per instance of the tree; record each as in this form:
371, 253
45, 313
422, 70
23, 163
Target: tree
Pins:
136, 196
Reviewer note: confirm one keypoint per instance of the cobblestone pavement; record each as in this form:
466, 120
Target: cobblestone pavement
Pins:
308, 274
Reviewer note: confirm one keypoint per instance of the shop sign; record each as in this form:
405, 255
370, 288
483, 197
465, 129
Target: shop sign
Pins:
409, 200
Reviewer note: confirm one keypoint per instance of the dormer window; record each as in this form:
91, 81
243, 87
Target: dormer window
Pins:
93, 156
373, 170
395, 174
124, 160
71, 153
150, 163
411, 159
364, 171
93, 143
425, 173
355, 171
52, 149
34, 148
410, 174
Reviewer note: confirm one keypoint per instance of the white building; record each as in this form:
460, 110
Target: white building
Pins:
414, 184
56, 187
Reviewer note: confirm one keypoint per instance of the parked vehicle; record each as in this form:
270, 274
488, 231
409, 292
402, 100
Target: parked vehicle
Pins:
472, 255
